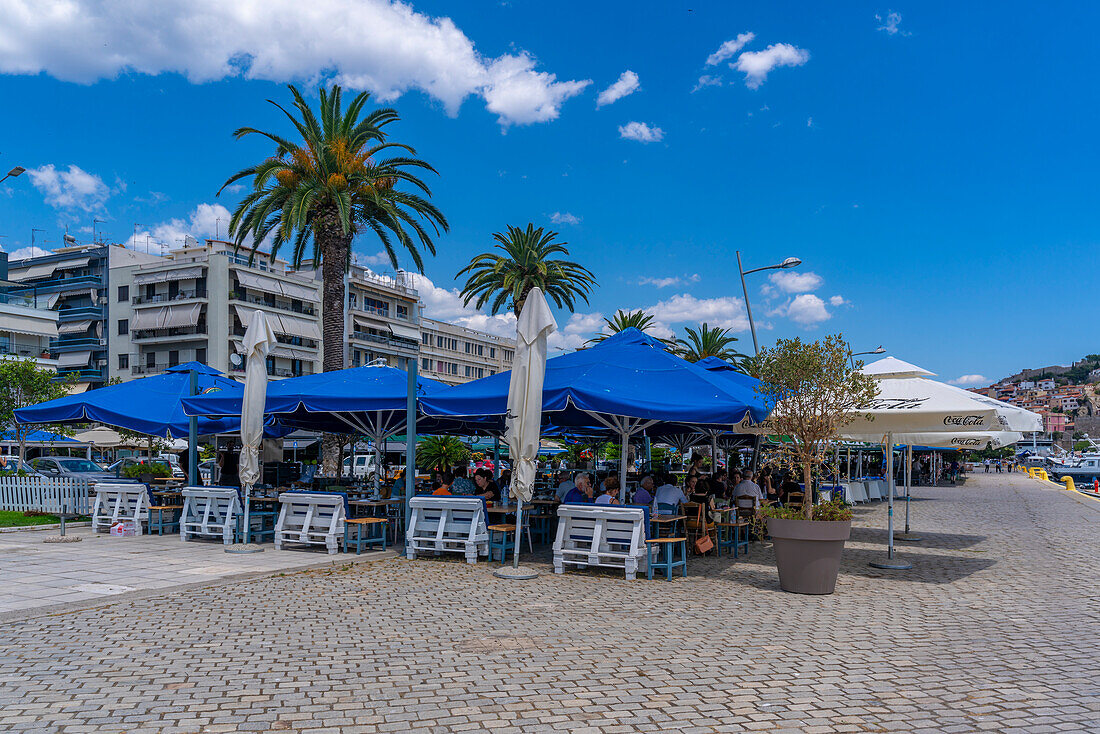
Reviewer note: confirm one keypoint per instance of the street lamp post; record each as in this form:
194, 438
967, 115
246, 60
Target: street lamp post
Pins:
17, 171
790, 262
852, 357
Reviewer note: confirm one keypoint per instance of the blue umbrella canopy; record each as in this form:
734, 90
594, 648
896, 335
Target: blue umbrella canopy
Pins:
150, 405
367, 400
628, 376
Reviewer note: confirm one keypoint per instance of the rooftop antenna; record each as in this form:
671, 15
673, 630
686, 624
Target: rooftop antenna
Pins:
33, 230
95, 240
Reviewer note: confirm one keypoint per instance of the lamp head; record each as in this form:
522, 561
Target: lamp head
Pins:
790, 262
880, 350
17, 171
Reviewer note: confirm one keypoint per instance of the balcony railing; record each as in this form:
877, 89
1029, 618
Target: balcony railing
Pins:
396, 343
80, 312
85, 342
183, 295
178, 332
147, 369
274, 371
290, 341
305, 309
28, 350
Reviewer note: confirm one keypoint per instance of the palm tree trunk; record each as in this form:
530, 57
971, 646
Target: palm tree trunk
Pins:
335, 248
518, 305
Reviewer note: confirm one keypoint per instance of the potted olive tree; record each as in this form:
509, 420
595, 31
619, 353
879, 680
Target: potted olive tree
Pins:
817, 391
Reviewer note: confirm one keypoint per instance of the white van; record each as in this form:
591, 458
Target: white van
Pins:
364, 468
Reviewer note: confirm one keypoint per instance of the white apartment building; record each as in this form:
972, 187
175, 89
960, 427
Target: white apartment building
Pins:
195, 304
26, 330
454, 354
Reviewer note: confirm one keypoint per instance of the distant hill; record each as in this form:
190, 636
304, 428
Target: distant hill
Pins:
1080, 372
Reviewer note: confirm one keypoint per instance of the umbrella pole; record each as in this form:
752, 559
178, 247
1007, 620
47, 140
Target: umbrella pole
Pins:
624, 446
519, 532
496, 463
193, 437
907, 536
410, 444
891, 562
648, 454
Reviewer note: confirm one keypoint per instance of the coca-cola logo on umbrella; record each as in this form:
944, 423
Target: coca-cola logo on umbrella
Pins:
966, 442
963, 420
896, 403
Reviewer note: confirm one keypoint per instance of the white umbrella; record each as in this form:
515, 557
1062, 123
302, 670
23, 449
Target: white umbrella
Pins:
258, 342
536, 323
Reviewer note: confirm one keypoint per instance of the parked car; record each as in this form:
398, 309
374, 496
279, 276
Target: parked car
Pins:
71, 466
365, 467
207, 469
11, 465
119, 466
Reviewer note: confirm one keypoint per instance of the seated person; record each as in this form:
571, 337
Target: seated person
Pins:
610, 494
564, 485
644, 495
668, 494
446, 479
789, 485
744, 486
486, 488
462, 484
582, 491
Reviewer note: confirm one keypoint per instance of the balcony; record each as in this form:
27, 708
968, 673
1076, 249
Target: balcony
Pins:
180, 333
274, 371
81, 312
23, 350
291, 341
161, 298
147, 369
389, 341
84, 342
305, 309
65, 284
88, 374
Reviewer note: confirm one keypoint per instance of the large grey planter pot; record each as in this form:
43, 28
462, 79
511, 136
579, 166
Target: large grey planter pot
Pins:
807, 553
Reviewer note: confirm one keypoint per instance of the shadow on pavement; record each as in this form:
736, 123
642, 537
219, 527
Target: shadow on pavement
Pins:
948, 541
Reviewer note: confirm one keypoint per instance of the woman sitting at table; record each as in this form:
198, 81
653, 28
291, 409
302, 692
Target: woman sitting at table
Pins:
698, 491
696, 468
462, 484
718, 484
486, 488
610, 494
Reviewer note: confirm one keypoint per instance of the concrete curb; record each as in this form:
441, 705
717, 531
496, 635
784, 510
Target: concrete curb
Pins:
54, 526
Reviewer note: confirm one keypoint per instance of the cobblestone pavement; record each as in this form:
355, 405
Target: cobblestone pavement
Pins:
995, 629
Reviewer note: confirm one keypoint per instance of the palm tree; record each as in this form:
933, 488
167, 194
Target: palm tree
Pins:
526, 263
708, 342
441, 453
622, 320
328, 187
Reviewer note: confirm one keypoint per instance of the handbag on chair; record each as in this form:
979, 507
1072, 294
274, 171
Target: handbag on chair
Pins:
703, 543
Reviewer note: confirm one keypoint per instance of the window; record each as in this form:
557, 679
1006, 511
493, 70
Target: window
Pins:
492, 352
402, 312
124, 361
509, 355
426, 339
173, 358
123, 327
382, 308
123, 293
439, 342
200, 355
425, 363
150, 359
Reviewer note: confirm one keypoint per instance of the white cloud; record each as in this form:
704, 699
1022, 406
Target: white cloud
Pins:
577, 330
71, 189
809, 122
807, 309
970, 380
790, 281
891, 24
756, 64
669, 281
838, 301
729, 48
641, 132
564, 218
627, 84
446, 304
381, 46
27, 252
378, 258
706, 80
726, 311
207, 220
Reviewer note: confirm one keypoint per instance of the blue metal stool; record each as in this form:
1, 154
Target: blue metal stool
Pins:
666, 557
376, 533
540, 527
500, 539
732, 536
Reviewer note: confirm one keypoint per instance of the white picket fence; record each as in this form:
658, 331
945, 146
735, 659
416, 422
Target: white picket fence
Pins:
46, 494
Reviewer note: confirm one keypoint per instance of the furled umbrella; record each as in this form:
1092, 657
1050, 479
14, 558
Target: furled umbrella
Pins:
259, 340
524, 417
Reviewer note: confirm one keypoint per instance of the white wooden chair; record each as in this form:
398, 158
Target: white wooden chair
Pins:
876, 489
119, 503
443, 524
854, 492
312, 518
604, 535
210, 512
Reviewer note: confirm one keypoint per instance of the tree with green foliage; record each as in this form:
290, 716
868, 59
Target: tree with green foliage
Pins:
327, 187
621, 321
708, 342
529, 261
440, 453
24, 383
816, 392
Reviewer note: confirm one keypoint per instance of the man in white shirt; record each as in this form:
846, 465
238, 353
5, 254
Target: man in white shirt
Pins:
668, 494
564, 485
744, 486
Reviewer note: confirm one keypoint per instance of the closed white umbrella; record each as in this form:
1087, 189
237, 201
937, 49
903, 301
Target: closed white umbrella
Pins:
524, 418
259, 340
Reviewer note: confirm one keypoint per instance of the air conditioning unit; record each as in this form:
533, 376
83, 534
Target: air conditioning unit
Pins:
101, 363
102, 342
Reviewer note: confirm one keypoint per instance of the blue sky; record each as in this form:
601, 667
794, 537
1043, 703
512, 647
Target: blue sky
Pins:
933, 166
